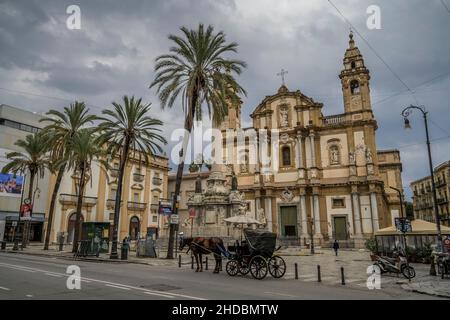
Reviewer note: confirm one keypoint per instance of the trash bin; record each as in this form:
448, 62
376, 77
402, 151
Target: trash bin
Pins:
124, 250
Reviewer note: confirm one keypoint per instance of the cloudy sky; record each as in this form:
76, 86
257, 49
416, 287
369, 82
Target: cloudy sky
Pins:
44, 65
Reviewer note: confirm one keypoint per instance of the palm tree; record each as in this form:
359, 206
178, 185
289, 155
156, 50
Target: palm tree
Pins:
33, 160
82, 149
60, 129
197, 68
128, 131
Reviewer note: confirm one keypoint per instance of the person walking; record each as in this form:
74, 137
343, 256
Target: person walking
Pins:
336, 247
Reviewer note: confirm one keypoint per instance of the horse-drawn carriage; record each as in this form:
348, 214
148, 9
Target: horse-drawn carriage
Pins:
255, 255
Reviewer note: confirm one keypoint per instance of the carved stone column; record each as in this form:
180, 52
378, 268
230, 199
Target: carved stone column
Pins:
304, 217
356, 212
374, 208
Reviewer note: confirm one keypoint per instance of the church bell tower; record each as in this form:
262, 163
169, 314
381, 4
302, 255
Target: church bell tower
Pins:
355, 82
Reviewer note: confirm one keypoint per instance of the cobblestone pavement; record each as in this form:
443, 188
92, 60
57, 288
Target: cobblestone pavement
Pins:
354, 262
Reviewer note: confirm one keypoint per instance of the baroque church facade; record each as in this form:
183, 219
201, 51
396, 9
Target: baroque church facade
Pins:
331, 182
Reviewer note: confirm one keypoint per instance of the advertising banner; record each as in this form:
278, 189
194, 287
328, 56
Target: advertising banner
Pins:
10, 185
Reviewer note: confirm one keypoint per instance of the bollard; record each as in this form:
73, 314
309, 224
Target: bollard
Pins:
296, 271
179, 261
192, 262
432, 267
16, 245
3, 245
342, 276
319, 278
206, 263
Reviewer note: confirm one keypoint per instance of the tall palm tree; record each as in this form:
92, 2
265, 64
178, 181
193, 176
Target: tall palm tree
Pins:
82, 149
32, 160
128, 131
197, 68
60, 129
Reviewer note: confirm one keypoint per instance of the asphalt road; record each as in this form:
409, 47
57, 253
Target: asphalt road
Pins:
32, 277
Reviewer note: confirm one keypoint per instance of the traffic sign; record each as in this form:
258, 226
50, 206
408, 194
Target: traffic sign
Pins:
174, 219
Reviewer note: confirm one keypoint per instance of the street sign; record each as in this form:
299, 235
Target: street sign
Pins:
174, 219
403, 225
165, 207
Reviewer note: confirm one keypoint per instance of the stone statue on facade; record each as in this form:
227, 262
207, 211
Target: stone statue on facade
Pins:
198, 184
369, 158
283, 117
234, 182
351, 158
262, 216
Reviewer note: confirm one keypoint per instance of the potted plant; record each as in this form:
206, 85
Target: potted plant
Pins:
193, 167
371, 245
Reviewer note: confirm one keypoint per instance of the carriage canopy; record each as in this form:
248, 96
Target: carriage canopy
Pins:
261, 242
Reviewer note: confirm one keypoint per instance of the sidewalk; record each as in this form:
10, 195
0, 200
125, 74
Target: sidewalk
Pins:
37, 250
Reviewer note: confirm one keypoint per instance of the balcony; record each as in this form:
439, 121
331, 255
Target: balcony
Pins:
137, 206
72, 199
111, 203
114, 172
334, 120
442, 200
440, 183
137, 177
157, 181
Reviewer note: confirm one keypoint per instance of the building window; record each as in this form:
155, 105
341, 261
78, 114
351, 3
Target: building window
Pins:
354, 87
113, 194
338, 203
353, 64
136, 197
286, 156
335, 155
155, 219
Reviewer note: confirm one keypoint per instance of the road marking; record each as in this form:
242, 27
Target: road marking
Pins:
53, 275
147, 291
3, 288
29, 296
281, 294
158, 294
118, 287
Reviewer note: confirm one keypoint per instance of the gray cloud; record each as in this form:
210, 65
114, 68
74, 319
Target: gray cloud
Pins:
113, 54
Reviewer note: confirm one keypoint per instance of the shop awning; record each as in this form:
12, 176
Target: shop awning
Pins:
418, 226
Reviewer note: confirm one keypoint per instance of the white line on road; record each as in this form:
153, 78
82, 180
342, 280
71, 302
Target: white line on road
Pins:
158, 294
281, 294
3, 288
53, 275
147, 291
118, 287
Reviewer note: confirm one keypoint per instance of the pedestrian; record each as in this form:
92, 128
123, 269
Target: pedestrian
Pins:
336, 247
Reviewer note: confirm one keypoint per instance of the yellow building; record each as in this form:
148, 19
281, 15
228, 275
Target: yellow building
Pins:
423, 195
143, 187
331, 181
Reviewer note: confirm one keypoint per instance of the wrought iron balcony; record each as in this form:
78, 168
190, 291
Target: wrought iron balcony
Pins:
157, 181
137, 177
111, 203
138, 206
72, 199
442, 200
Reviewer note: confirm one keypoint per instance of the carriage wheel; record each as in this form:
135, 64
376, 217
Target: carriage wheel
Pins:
232, 267
277, 266
258, 267
244, 268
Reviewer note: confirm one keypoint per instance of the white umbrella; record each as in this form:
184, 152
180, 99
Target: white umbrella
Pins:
242, 219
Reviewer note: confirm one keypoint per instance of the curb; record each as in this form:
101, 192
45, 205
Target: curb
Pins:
407, 288
98, 260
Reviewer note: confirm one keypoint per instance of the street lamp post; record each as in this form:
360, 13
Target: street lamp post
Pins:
405, 113
312, 235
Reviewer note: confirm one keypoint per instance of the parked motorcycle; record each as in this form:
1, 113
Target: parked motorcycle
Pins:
397, 264
443, 263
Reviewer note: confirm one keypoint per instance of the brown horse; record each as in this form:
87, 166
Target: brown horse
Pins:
200, 246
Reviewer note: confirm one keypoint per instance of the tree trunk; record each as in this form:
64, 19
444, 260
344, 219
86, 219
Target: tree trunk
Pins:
52, 206
76, 237
188, 123
122, 168
26, 223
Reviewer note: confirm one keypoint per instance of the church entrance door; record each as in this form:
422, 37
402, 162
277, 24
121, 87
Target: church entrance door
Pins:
340, 228
288, 219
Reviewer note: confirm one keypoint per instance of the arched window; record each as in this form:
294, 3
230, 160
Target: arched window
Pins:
354, 87
286, 156
335, 154
134, 228
353, 65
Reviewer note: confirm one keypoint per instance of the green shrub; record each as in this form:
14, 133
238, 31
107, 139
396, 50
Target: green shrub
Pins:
371, 244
